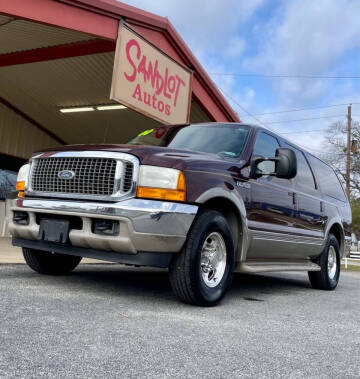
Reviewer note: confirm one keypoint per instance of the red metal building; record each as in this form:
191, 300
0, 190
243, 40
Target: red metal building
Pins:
60, 53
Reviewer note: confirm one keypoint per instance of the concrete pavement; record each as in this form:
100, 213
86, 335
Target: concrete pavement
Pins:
109, 321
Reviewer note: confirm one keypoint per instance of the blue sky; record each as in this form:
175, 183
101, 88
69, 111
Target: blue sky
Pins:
275, 37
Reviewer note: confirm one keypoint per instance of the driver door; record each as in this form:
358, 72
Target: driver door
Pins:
271, 211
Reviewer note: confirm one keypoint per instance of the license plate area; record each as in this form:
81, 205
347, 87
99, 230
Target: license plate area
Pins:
54, 230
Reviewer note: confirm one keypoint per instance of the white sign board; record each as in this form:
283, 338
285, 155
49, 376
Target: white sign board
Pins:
149, 81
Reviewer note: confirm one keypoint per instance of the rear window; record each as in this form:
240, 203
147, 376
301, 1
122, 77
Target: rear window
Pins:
328, 180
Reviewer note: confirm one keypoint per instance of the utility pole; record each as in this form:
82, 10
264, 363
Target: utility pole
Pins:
348, 151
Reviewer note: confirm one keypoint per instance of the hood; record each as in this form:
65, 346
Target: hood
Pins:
153, 155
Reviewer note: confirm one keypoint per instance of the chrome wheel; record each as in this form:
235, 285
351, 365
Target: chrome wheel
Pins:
332, 262
213, 259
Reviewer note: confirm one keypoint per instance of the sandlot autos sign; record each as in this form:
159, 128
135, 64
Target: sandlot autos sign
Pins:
149, 81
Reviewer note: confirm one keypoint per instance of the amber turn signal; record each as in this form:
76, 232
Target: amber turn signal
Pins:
178, 194
160, 193
20, 186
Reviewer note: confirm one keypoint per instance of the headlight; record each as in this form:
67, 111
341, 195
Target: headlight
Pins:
21, 182
161, 183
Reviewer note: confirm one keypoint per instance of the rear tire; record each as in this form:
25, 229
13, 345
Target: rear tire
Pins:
45, 262
201, 273
329, 261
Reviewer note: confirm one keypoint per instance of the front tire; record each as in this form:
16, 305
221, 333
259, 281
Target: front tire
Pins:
201, 274
45, 262
329, 261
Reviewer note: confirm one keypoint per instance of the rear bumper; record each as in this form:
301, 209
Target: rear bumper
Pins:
145, 225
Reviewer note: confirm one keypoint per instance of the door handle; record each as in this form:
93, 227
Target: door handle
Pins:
294, 198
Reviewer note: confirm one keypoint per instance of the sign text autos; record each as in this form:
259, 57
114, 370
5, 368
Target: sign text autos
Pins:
167, 85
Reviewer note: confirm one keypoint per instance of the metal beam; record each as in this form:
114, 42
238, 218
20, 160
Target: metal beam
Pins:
76, 49
31, 120
54, 13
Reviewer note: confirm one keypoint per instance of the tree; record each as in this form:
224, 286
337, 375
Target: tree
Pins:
355, 208
336, 146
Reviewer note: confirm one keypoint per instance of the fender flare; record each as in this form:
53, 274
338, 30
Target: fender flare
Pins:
240, 207
336, 221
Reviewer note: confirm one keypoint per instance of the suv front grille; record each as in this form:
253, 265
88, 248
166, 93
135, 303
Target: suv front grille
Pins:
128, 177
92, 176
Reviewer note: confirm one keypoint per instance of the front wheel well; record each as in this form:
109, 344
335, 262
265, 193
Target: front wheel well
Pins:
229, 210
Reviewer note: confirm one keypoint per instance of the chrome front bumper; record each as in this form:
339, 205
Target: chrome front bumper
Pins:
145, 225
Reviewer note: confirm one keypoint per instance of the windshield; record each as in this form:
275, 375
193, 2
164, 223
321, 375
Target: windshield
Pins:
223, 139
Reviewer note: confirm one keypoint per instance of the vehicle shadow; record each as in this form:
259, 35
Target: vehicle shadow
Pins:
128, 281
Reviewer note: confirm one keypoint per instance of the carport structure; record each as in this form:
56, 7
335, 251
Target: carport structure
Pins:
56, 54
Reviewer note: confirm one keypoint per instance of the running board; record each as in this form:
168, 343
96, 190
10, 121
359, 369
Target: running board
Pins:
258, 266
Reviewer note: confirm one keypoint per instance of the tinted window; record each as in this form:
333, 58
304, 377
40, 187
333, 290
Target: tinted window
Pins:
304, 176
266, 146
327, 178
222, 139
226, 141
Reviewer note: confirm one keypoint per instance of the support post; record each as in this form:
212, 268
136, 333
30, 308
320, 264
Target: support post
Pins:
348, 152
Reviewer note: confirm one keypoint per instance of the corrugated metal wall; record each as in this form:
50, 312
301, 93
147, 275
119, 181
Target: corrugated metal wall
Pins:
25, 35
19, 137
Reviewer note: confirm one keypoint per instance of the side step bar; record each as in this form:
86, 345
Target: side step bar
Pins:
254, 267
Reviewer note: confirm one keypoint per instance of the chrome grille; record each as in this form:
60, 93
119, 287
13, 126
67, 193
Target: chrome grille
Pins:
128, 177
93, 176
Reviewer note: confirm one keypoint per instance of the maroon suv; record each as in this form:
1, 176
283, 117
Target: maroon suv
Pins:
202, 200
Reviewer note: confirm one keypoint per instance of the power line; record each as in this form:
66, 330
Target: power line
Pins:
303, 119
287, 76
241, 107
261, 122
305, 131
304, 109
307, 119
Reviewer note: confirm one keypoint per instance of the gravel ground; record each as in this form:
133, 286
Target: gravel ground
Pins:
109, 321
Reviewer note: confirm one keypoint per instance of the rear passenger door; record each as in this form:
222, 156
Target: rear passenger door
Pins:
335, 201
309, 205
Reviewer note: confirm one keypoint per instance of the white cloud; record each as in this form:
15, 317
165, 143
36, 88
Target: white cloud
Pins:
235, 47
210, 26
306, 37
302, 132
296, 37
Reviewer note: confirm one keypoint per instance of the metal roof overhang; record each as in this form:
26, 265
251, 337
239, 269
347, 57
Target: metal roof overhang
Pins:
60, 53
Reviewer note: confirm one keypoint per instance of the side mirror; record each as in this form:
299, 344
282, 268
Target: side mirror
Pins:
285, 164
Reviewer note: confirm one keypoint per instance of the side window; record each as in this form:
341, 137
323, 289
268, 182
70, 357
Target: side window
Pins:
266, 146
304, 176
329, 182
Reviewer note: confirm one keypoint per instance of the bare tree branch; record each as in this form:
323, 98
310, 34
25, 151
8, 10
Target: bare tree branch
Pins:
336, 146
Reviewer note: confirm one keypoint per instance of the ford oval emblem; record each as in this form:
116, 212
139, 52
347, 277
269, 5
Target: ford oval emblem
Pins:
66, 174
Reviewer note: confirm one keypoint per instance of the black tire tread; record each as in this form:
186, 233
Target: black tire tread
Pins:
319, 279
180, 267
